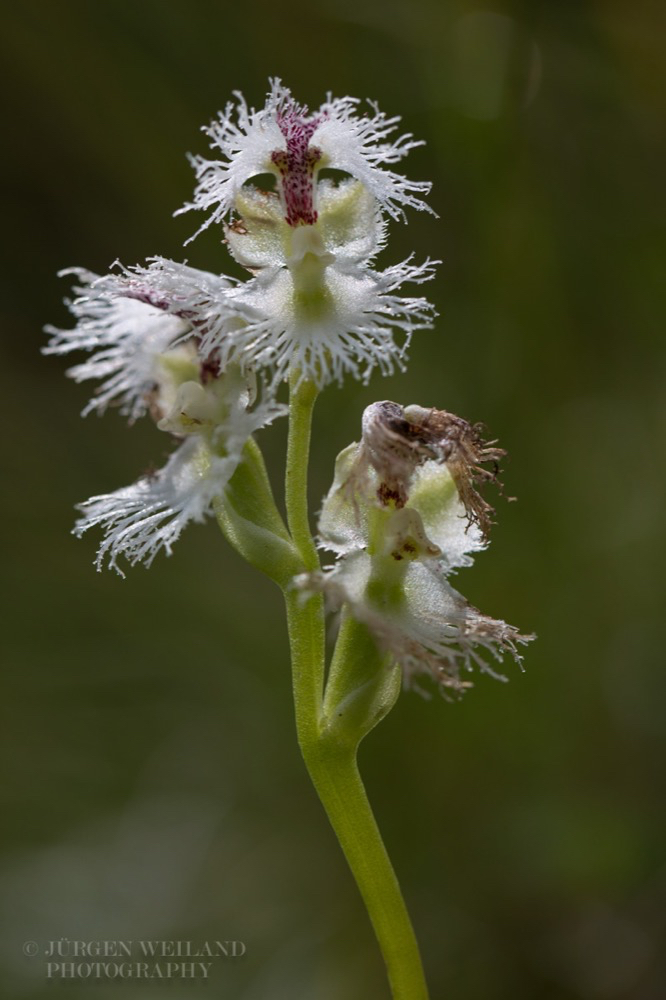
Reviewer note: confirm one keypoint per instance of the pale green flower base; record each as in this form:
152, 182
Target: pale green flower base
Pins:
334, 712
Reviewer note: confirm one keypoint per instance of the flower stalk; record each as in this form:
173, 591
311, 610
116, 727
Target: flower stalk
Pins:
336, 777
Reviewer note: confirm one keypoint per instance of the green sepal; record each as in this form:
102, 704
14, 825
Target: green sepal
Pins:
251, 522
362, 687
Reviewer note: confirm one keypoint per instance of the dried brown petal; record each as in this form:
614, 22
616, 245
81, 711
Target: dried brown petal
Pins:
461, 446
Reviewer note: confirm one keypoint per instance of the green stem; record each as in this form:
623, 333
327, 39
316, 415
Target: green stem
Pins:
334, 772
330, 760
301, 403
336, 778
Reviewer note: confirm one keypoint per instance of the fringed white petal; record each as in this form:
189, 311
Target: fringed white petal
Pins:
170, 286
130, 321
149, 515
127, 336
246, 139
433, 633
360, 145
351, 329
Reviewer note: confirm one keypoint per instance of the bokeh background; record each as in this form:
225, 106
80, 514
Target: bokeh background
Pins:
153, 788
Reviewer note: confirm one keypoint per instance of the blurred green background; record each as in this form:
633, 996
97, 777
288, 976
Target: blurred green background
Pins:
153, 788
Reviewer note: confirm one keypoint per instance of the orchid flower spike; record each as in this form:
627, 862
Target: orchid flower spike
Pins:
204, 356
